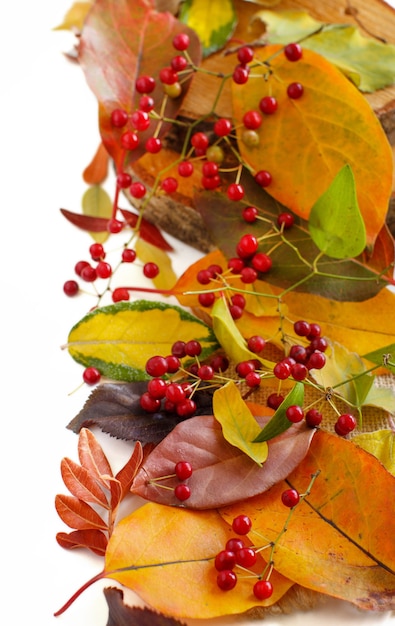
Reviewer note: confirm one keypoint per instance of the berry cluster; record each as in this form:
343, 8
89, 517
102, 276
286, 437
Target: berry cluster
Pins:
182, 471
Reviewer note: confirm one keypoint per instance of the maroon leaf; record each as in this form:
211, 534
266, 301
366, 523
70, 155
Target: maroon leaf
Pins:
116, 410
222, 474
134, 36
94, 540
122, 615
149, 232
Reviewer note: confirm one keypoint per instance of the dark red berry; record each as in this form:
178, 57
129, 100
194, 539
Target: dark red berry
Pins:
302, 328
103, 269
299, 371
282, 370
119, 118
88, 274
274, 400
316, 360
268, 105
293, 51
124, 180
145, 84
225, 560
285, 220
156, 366
241, 524
240, 74
290, 497
157, 388
235, 192
246, 557
245, 54
261, 262
234, 543
253, 379
178, 63
168, 76
226, 579
294, 413
345, 424
71, 288
186, 408
313, 418
193, 348
248, 275
178, 349
185, 169
205, 372
256, 343
182, 492
295, 91
263, 178
169, 184
250, 214
173, 363
150, 270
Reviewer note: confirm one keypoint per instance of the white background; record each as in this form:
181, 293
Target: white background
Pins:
48, 135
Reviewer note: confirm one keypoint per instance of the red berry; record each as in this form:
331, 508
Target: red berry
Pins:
263, 178
181, 41
182, 492
248, 275
185, 169
225, 560
187, 408
210, 182
294, 413
178, 349
200, 141
219, 363
119, 118
246, 557
148, 403
140, 120
137, 190
313, 418
205, 372
247, 246
302, 328
240, 74
256, 343
274, 400
178, 63
315, 331
80, 266
250, 214
150, 270
282, 370
156, 366
146, 103
129, 140
252, 120
261, 262
114, 226
298, 353
290, 498
235, 311
168, 76
145, 84
96, 251
319, 343
222, 127
91, 375
88, 274
71, 288
238, 300
119, 294
253, 379
268, 105
210, 169
295, 91
345, 424
241, 525
299, 371
235, 192
234, 543
128, 255
263, 589
226, 579
236, 264
169, 184
103, 269
124, 180
245, 54
183, 470
175, 393
153, 145
293, 51
193, 348
285, 220
316, 360
157, 388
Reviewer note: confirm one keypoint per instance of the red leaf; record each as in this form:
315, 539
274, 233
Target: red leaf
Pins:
94, 540
126, 475
92, 457
81, 483
86, 222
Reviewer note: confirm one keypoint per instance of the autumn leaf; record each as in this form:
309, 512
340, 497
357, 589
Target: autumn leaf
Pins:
90, 538
97, 203
120, 614
75, 16
356, 136
134, 36
385, 356
368, 62
148, 253
118, 339
77, 514
348, 551
380, 443
96, 171
155, 552
115, 408
279, 422
213, 20
222, 473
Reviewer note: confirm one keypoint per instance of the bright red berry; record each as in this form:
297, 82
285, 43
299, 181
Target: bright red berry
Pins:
261, 262
248, 275
294, 413
256, 343
169, 184
301, 328
91, 375
247, 246
250, 214
245, 54
240, 74
150, 270
145, 84
140, 120
290, 498
285, 220
185, 169
124, 180
235, 192
182, 492
156, 366
181, 41
263, 178
168, 76
128, 255
268, 105
183, 470
226, 579
103, 269
88, 274
71, 288
345, 424
200, 141
119, 118
246, 557
252, 120
225, 560
129, 140
222, 127
156, 388
241, 524
263, 589
282, 370
137, 190
119, 294
153, 145
114, 226
316, 360
293, 51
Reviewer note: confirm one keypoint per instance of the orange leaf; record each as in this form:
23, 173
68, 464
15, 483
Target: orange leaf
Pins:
92, 457
96, 172
127, 473
311, 138
165, 554
81, 484
340, 539
77, 514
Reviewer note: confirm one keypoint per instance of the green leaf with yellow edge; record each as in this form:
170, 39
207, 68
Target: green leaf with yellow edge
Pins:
346, 373
118, 339
239, 427
335, 223
229, 336
97, 203
148, 253
279, 423
213, 20
313, 137
75, 16
380, 443
165, 554
369, 63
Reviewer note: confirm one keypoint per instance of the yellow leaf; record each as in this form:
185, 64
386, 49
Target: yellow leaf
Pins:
380, 443
75, 16
239, 427
97, 203
146, 252
170, 552
313, 137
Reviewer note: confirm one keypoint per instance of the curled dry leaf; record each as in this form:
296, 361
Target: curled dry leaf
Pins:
95, 540
120, 614
221, 472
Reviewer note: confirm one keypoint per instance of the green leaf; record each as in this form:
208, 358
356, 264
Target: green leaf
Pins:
279, 422
213, 20
384, 356
369, 63
97, 203
239, 427
335, 223
229, 336
119, 339
380, 443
